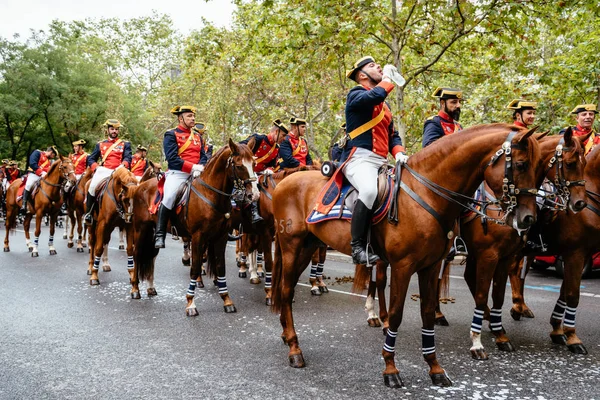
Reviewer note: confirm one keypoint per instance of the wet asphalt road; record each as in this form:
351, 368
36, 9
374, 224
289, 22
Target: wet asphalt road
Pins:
62, 339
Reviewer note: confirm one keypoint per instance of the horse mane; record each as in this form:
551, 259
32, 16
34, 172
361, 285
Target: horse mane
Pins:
124, 175
53, 166
288, 171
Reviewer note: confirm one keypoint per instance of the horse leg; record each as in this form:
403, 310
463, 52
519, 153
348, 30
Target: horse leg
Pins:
98, 251
121, 240
517, 284
92, 258
381, 283
105, 263
36, 233
499, 289
216, 254
195, 278
70, 232
185, 259
260, 264
265, 247
130, 266
372, 318
66, 227
10, 220
568, 302
440, 318
399, 287
52, 230
252, 267
314, 288
85, 232
241, 259
427, 278
320, 283
26, 225
79, 234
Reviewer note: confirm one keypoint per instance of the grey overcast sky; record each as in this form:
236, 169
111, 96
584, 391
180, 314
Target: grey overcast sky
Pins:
19, 16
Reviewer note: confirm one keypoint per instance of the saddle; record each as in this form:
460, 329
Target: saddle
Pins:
34, 189
183, 194
342, 206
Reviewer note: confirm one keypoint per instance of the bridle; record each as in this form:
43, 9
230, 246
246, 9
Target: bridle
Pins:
125, 215
62, 181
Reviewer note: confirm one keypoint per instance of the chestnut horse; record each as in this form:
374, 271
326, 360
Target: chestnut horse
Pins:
114, 209
46, 200
75, 199
575, 237
416, 243
204, 218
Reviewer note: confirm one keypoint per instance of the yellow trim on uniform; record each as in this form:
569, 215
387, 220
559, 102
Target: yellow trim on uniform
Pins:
584, 107
371, 124
518, 104
186, 144
110, 149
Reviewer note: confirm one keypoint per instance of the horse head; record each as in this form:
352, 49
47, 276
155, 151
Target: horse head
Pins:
152, 171
67, 173
241, 166
514, 180
125, 185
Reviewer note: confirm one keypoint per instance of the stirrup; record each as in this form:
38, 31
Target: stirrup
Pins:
88, 219
460, 247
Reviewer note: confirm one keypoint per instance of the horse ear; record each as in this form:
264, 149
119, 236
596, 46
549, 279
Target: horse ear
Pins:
251, 143
233, 147
582, 139
541, 135
568, 136
527, 134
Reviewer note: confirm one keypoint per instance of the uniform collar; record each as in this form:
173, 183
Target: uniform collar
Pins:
580, 129
183, 129
519, 123
445, 116
113, 140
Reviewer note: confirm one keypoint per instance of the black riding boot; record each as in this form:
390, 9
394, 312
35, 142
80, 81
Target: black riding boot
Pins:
359, 228
256, 218
25, 198
161, 227
90, 202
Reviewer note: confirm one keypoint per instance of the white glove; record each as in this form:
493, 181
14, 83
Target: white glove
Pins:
43, 174
120, 166
401, 158
197, 170
392, 72
268, 172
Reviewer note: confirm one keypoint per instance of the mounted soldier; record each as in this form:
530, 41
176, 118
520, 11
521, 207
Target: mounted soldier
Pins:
108, 155
185, 156
39, 164
370, 126
79, 158
200, 127
585, 115
293, 150
266, 151
139, 163
523, 112
446, 122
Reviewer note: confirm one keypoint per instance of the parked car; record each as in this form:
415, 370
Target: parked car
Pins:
540, 263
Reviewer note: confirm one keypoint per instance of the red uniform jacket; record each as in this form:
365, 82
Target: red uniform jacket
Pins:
79, 161
120, 154
138, 165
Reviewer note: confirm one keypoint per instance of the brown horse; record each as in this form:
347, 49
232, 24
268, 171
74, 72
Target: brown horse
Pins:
575, 237
416, 243
114, 210
493, 247
46, 200
75, 199
204, 218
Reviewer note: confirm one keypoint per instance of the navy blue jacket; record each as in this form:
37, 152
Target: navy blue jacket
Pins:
34, 159
361, 105
336, 152
287, 159
433, 129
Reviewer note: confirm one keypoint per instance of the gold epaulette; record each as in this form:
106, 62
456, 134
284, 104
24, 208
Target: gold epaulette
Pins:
432, 117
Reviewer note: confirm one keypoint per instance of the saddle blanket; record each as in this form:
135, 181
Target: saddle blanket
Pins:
344, 205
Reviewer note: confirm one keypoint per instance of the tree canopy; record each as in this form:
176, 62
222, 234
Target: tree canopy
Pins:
282, 59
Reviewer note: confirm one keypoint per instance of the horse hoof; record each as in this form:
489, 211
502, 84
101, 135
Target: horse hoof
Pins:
7, 249
255, 281
515, 314
64, 236
52, 252
191, 312
374, 322
135, 295
297, 361
151, 292
260, 274
393, 381
441, 380
200, 284
70, 245
80, 250
268, 301
505, 346
559, 339
441, 321
242, 275
479, 354
94, 282
203, 272
229, 309
186, 262
84, 245
315, 291
35, 254
121, 247
30, 249
528, 314
323, 289
106, 268
578, 348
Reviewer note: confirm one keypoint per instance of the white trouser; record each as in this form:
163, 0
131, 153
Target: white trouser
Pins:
5, 184
32, 179
101, 173
138, 178
173, 180
77, 177
361, 171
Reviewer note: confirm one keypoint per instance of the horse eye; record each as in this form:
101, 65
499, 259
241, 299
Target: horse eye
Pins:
521, 166
571, 165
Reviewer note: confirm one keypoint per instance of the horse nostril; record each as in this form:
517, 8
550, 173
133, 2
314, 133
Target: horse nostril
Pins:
529, 220
580, 205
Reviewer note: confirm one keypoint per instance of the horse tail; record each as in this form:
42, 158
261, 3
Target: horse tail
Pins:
361, 278
144, 252
277, 277
444, 282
